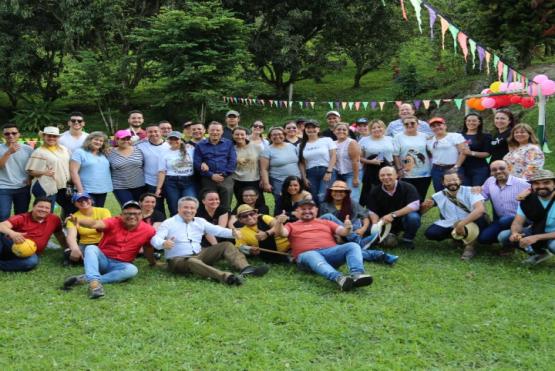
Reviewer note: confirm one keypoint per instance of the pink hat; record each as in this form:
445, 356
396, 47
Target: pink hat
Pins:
123, 134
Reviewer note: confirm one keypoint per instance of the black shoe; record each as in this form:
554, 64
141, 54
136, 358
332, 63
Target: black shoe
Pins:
345, 283
362, 279
66, 262
74, 281
255, 271
234, 279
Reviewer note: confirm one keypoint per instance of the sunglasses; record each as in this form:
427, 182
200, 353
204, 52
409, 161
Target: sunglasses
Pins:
258, 126
10, 133
76, 121
247, 215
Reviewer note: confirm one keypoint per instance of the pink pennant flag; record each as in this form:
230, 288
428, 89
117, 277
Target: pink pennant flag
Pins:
426, 103
488, 58
357, 106
499, 69
462, 42
447, 100
398, 103
404, 10
381, 105
444, 28
343, 105
271, 102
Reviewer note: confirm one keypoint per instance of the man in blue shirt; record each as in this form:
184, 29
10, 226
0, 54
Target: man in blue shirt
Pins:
215, 159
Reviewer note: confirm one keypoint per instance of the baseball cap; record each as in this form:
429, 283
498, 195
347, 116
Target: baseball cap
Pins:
333, 113
123, 134
79, 196
174, 134
434, 120
305, 202
232, 113
311, 122
131, 204
362, 120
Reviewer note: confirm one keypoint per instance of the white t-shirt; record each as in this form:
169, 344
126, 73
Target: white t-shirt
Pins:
452, 213
445, 151
412, 151
175, 164
318, 153
152, 154
382, 147
72, 143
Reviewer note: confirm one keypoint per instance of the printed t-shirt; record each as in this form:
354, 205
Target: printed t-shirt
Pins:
318, 153
248, 236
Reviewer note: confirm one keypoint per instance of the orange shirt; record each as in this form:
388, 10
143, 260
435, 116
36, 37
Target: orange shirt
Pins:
314, 235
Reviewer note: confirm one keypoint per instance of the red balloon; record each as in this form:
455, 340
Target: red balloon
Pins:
516, 99
527, 102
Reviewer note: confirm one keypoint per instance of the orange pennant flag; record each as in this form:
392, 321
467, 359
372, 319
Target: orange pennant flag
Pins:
444, 28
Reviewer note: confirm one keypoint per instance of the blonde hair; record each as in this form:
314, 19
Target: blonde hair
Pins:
513, 143
376, 121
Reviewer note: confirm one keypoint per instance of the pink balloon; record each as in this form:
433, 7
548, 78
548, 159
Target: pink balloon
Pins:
485, 91
488, 102
504, 86
540, 78
548, 87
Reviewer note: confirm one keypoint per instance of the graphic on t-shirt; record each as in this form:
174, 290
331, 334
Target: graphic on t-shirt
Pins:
413, 162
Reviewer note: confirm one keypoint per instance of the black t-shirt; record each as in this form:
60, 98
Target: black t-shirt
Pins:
155, 217
499, 145
483, 146
202, 213
381, 203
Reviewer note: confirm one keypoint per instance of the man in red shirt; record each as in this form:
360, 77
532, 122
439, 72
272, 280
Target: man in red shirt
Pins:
313, 245
37, 225
110, 261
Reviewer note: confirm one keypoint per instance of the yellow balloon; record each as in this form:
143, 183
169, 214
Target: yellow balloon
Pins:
494, 87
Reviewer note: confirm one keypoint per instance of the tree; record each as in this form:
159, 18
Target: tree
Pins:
369, 33
193, 52
285, 41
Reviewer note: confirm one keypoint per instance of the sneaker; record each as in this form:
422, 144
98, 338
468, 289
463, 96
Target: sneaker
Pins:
95, 290
254, 271
362, 279
468, 253
234, 279
408, 244
538, 258
390, 259
66, 262
345, 283
74, 281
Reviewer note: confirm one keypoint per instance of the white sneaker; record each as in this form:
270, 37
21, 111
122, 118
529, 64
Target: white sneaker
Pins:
53, 246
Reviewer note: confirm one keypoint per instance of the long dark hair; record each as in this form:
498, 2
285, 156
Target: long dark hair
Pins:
285, 196
257, 204
479, 130
305, 138
346, 205
509, 114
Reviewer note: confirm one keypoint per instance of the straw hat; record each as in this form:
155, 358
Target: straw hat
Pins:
471, 233
50, 130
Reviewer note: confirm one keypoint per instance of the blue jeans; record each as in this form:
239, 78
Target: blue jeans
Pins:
489, 234
9, 262
128, 194
437, 233
276, 190
324, 261
355, 191
503, 239
176, 187
318, 186
353, 237
475, 176
101, 268
20, 198
411, 222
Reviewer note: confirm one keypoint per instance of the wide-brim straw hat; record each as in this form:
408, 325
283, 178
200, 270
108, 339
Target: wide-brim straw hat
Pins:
471, 233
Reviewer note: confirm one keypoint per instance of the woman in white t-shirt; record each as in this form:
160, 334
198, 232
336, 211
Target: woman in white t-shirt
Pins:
317, 157
412, 160
447, 151
175, 171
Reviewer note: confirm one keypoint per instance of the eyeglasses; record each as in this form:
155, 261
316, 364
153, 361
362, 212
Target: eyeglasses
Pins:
127, 213
76, 121
10, 133
258, 126
247, 215
501, 168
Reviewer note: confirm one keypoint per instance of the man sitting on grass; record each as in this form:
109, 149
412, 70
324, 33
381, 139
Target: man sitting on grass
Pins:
314, 246
536, 209
181, 235
258, 232
37, 225
110, 261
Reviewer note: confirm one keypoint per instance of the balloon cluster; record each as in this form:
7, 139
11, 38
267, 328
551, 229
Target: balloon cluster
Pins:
504, 100
547, 86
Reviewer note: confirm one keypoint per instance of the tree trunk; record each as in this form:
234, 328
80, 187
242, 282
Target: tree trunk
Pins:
357, 78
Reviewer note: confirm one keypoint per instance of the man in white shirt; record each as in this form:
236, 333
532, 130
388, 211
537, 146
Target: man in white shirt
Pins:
73, 138
396, 126
180, 237
459, 207
153, 149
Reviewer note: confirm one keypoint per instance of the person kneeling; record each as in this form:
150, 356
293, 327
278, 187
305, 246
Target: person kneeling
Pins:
258, 236
181, 235
313, 246
110, 261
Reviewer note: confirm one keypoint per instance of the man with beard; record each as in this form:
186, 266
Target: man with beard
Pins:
459, 207
135, 121
536, 209
313, 246
396, 126
502, 189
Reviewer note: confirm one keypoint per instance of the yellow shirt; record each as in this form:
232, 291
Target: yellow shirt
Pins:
248, 235
88, 236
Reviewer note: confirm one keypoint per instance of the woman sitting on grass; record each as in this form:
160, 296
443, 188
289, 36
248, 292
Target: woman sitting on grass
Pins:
211, 210
249, 196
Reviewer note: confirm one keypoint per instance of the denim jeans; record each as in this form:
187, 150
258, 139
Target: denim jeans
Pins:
276, 190
20, 198
503, 239
318, 186
324, 261
411, 222
101, 268
176, 187
9, 262
475, 176
353, 237
355, 191
128, 194
489, 234
437, 233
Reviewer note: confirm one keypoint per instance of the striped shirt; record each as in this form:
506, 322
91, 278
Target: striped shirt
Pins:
127, 172
504, 199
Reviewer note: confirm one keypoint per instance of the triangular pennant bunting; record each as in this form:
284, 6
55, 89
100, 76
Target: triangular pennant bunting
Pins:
432, 16
426, 103
417, 5
458, 102
381, 105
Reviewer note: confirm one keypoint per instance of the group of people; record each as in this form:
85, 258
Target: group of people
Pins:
338, 194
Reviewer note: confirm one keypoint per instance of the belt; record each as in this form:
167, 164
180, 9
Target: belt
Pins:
441, 166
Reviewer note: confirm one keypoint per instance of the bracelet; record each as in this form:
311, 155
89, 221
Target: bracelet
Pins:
328, 172
473, 154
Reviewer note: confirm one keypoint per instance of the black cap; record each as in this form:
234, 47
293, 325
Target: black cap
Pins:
311, 122
306, 201
129, 204
362, 120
